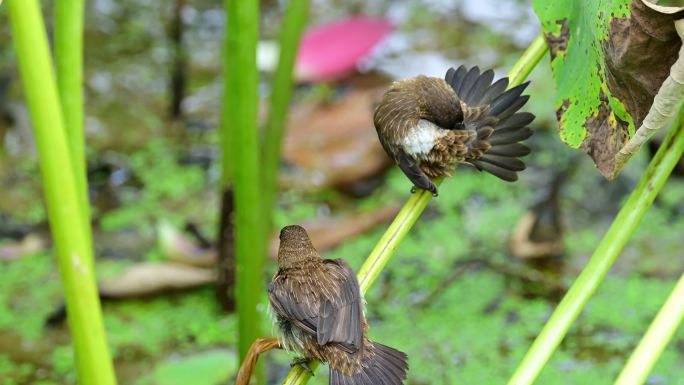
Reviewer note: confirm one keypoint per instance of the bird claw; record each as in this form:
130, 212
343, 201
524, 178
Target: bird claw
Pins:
432, 189
304, 363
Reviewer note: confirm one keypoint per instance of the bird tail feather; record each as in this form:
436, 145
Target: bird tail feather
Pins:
383, 365
496, 148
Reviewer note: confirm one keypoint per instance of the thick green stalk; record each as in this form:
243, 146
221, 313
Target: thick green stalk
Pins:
61, 194
415, 205
656, 338
294, 21
240, 101
603, 258
69, 64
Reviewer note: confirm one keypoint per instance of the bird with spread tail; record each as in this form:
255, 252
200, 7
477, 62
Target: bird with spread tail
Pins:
317, 307
427, 125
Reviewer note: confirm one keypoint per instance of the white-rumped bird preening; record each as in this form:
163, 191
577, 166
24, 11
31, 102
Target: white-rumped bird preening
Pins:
428, 125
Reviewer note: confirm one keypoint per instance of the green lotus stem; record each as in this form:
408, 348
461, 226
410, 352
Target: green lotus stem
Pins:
69, 232
415, 205
657, 336
395, 233
69, 64
603, 258
529, 59
294, 21
240, 102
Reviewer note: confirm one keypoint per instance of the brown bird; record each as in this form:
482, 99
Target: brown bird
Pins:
428, 125
318, 309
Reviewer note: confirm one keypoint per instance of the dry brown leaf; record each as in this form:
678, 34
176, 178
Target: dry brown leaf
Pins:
609, 58
154, 278
523, 247
28, 245
334, 144
328, 233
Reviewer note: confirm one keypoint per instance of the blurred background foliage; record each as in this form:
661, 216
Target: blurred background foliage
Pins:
457, 297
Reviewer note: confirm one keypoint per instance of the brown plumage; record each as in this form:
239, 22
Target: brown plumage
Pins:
318, 309
428, 125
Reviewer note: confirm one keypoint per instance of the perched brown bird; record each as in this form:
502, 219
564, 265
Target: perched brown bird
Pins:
428, 125
318, 310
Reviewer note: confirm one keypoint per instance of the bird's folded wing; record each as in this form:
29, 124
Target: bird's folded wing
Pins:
334, 315
341, 313
301, 312
410, 168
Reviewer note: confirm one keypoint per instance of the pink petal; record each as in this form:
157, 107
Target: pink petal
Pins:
330, 51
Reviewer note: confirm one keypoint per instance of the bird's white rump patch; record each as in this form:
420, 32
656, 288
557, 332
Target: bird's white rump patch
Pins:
421, 138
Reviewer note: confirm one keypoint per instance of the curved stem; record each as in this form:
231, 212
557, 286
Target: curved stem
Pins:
260, 346
603, 258
415, 205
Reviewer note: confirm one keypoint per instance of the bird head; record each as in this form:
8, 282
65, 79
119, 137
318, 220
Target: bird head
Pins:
295, 246
436, 100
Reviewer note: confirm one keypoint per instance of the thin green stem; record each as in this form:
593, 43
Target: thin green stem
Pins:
69, 64
395, 233
603, 258
660, 331
69, 233
240, 114
294, 21
412, 209
533, 54
228, 109
657, 336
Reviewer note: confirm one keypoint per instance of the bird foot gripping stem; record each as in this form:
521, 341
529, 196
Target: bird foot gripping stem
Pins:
434, 193
304, 363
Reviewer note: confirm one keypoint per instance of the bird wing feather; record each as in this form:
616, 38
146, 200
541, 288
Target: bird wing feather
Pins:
334, 316
341, 316
491, 112
411, 169
302, 314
